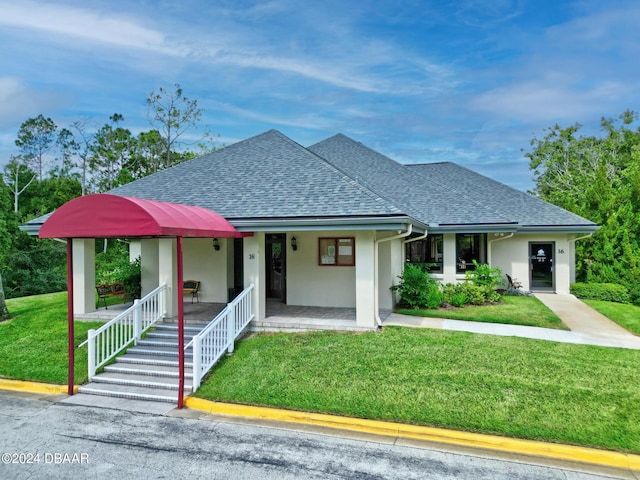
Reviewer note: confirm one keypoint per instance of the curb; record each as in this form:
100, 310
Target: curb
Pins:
532, 448
34, 387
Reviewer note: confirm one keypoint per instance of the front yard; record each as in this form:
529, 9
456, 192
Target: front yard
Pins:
576, 394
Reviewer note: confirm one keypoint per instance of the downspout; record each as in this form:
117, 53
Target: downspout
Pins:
375, 269
574, 240
490, 244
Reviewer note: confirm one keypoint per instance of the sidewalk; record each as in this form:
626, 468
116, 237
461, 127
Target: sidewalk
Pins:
588, 327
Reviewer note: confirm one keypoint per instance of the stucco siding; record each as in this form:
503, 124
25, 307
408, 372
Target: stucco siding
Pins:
203, 263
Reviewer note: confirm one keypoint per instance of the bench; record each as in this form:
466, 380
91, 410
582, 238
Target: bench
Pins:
191, 287
115, 289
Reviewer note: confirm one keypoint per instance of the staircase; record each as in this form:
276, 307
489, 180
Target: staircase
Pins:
148, 370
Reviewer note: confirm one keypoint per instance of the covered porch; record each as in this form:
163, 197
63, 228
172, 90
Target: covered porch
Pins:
279, 316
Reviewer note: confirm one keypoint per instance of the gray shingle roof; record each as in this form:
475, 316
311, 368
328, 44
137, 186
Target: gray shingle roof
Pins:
266, 176
443, 193
518, 206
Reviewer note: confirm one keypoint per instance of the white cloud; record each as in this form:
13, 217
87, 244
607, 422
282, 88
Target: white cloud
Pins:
19, 102
84, 24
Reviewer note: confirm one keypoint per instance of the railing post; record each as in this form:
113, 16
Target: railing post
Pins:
197, 361
231, 328
91, 348
137, 320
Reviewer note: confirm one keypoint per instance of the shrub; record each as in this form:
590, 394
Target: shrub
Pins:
114, 266
484, 275
610, 292
418, 289
459, 299
476, 295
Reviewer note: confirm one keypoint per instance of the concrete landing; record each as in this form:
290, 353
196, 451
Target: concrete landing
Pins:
140, 406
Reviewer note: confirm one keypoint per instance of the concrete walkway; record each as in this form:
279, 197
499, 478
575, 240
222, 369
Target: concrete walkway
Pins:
588, 327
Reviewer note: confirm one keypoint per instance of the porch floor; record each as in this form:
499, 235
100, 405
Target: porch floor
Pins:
279, 316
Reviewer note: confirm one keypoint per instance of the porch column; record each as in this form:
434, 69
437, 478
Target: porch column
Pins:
149, 264
84, 275
449, 257
390, 265
168, 273
255, 272
365, 284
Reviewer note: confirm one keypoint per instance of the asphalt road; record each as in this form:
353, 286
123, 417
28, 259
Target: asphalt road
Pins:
42, 439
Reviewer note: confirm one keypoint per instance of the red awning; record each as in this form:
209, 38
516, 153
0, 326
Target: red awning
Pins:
104, 215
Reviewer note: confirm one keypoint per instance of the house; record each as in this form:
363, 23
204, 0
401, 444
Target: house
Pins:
332, 225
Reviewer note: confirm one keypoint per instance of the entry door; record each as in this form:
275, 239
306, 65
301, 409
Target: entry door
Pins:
276, 266
541, 265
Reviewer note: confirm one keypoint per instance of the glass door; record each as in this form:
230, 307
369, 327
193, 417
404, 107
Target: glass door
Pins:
541, 265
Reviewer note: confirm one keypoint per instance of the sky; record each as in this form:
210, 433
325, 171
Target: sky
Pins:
467, 81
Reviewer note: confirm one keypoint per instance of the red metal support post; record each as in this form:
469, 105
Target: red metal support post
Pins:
70, 329
180, 323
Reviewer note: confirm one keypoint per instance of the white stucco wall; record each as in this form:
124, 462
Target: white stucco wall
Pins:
512, 256
311, 284
201, 262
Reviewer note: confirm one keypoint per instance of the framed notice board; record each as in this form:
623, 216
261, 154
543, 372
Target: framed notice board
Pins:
339, 252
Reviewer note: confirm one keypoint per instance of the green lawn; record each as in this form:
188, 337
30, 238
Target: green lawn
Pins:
575, 394
627, 316
519, 310
33, 344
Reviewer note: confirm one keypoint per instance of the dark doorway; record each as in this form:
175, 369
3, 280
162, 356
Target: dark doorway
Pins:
238, 268
541, 265
276, 266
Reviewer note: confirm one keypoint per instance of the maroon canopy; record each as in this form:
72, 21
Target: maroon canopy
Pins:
104, 215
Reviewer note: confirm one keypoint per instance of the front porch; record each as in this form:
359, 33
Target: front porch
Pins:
279, 316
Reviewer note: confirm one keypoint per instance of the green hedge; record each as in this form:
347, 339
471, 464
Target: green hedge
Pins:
609, 292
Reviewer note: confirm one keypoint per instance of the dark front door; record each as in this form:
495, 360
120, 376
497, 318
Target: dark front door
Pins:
276, 266
541, 265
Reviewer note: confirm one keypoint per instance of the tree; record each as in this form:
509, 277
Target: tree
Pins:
18, 177
77, 144
598, 178
172, 114
36, 137
4, 311
112, 152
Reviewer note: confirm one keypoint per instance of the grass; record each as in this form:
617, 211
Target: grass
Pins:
625, 315
575, 394
33, 344
519, 310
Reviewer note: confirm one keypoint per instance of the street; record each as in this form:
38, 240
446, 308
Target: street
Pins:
44, 439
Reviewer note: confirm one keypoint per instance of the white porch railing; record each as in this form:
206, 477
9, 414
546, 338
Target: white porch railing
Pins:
219, 336
110, 339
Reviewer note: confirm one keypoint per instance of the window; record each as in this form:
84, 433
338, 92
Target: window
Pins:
470, 246
427, 251
337, 252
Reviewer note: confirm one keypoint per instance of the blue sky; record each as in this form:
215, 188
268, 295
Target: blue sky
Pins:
467, 81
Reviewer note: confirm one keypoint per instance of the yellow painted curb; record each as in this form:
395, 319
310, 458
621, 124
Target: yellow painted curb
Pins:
33, 387
489, 442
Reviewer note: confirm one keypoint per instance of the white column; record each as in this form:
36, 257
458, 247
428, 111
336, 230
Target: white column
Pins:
365, 284
449, 258
135, 249
84, 275
255, 273
149, 263
168, 273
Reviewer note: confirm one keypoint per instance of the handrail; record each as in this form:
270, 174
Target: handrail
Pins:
111, 338
220, 334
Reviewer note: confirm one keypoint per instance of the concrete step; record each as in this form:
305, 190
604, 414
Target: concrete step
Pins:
159, 342
169, 371
296, 326
131, 392
141, 359
159, 351
155, 335
173, 327
147, 381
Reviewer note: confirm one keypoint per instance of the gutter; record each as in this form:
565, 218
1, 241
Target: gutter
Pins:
376, 244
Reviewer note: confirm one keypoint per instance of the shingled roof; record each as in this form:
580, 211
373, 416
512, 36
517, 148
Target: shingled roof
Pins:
520, 207
266, 176
446, 196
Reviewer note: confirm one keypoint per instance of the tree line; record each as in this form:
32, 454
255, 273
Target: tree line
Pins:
53, 164
597, 177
